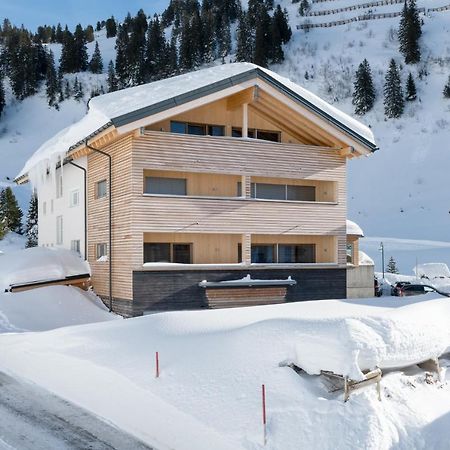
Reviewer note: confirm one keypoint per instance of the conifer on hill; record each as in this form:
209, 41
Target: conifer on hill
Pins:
96, 62
409, 32
244, 50
2, 95
111, 27
10, 212
392, 266
304, 7
446, 90
51, 81
280, 34
364, 91
121, 66
393, 93
262, 50
80, 55
31, 226
112, 79
411, 91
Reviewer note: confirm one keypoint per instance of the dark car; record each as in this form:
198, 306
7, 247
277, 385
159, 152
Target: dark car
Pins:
414, 289
395, 289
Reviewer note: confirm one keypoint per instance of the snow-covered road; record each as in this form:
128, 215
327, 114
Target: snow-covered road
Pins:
34, 419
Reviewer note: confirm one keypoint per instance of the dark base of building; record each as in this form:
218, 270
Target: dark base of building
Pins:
175, 290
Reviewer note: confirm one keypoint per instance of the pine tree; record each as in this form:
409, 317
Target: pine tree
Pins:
3, 230
31, 226
392, 266
304, 7
409, 32
96, 63
122, 68
51, 81
411, 92
280, 34
393, 93
2, 95
112, 79
10, 213
78, 93
188, 47
80, 54
364, 91
245, 39
446, 90
155, 51
263, 48
111, 27
89, 33
59, 35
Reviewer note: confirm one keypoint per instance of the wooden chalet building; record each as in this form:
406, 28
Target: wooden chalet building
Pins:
209, 176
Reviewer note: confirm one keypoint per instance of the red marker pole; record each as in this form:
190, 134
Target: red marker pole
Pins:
157, 364
264, 417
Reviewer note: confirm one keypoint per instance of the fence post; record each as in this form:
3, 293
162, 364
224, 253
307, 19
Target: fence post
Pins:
264, 417
157, 364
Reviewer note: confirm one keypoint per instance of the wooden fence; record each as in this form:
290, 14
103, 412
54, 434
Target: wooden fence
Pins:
363, 17
327, 12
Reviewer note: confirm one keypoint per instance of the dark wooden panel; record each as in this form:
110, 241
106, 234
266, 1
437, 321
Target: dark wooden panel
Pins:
178, 290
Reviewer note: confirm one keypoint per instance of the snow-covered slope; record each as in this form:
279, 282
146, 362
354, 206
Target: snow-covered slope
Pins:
400, 192
214, 362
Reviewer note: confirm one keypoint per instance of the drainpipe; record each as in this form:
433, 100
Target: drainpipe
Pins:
85, 206
110, 218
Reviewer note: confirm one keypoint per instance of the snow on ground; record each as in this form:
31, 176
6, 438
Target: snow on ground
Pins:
39, 264
50, 307
214, 362
12, 242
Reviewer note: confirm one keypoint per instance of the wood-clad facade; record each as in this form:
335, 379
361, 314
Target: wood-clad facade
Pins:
240, 177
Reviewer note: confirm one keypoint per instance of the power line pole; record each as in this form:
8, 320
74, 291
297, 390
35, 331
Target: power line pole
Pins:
382, 257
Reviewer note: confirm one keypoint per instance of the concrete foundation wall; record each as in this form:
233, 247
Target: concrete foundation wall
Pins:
360, 281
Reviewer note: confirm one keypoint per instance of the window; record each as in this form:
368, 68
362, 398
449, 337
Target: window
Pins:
199, 130
51, 206
44, 208
74, 198
167, 252
296, 253
100, 189
178, 127
350, 253
263, 254
59, 186
75, 246
59, 230
280, 192
101, 251
167, 186
216, 130
273, 136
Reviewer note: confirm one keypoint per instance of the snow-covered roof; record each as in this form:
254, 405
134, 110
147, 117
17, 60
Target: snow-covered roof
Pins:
432, 270
128, 105
354, 229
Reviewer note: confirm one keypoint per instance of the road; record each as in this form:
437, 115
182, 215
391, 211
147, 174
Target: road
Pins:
31, 418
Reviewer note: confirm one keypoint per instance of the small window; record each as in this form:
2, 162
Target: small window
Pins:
75, 246
59, 230
167, 252
51, 206
181, 253
59, 186
271, 191
216, 130
236, 132
263, 254
100, 189
101, 251
272, 136
350, 253
165, 186
74, 198
178, 127
44, 208
198, 130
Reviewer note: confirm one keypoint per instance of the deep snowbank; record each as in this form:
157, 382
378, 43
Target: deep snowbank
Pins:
39, 264
49, 308
214, 362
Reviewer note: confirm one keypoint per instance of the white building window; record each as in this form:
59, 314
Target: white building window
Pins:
44, 208
74, 198
59, 230
102, 252
59, 186
100, 189
51, 206
75, 245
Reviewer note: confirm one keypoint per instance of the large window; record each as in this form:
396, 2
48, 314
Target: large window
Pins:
197, 129
167, 186
280, 192
167, 253
59, 186
282, 253
75, 245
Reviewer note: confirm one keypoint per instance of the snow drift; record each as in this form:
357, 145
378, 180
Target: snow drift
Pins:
39, 264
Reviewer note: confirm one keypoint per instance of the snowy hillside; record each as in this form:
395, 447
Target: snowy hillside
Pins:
398, 193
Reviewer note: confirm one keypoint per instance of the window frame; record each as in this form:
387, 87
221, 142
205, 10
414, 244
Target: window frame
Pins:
97, 190
77, 246
171, 246
99, 246
148, 177
59, 186
73, 204
59, 230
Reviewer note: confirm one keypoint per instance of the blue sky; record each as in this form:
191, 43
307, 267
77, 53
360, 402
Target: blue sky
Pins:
32, 13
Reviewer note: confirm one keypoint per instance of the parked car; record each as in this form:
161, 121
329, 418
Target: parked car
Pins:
377, 287
395, 289
414, 289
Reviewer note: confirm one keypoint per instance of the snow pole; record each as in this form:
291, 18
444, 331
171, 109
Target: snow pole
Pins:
264, 417
157, 364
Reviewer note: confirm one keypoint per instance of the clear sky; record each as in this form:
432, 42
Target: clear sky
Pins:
32, 13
